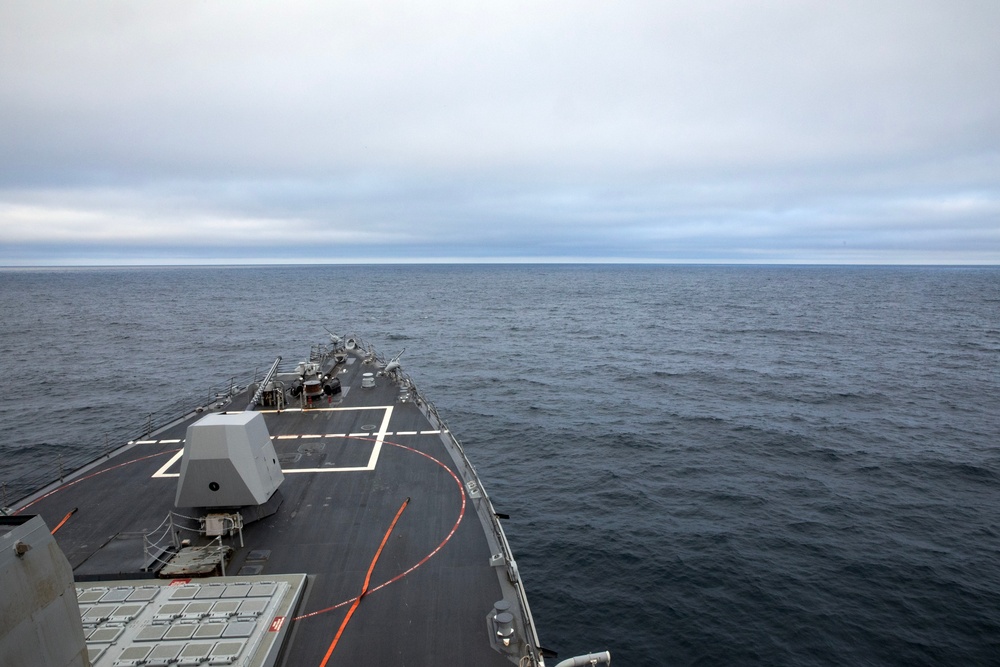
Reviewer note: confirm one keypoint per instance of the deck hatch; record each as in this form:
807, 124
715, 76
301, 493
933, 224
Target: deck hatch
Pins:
152, 633
91, 595
180, 631
236, 591
184, 593
163, 655
225, 653
209, 631
133, 655
239, 629
145, 593
195, 654
117, 595
104, 635
225, 607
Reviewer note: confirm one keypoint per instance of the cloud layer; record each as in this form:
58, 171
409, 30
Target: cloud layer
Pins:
687, 131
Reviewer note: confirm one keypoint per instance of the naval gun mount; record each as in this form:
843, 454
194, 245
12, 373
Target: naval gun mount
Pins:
229, 477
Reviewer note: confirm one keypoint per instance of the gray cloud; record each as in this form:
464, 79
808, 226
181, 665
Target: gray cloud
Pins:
715, 131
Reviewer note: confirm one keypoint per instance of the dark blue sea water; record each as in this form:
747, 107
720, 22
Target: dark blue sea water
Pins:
703, 465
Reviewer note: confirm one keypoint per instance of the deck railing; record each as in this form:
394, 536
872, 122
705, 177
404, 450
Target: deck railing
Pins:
513, 575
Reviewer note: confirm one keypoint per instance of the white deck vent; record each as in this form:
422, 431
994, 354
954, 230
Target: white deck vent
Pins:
228, 461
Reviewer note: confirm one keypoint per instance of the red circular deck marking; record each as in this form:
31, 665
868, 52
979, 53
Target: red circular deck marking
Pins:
93, 474
458, 483
461, 514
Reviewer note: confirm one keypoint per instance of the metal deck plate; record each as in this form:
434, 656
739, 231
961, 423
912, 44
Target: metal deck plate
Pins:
219, 621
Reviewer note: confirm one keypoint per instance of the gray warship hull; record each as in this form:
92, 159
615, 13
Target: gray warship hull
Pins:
380, 546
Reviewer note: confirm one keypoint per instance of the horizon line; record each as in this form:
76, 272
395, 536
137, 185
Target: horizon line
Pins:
219, 263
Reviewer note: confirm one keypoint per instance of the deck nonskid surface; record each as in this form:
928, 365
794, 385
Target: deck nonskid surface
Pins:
348, 469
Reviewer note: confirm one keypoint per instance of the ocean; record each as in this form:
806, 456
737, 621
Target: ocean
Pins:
703, 465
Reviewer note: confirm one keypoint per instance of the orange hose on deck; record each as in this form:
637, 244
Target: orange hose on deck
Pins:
65, 519
364, 589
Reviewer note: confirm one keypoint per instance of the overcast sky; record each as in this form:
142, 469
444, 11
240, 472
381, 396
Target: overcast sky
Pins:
355, 131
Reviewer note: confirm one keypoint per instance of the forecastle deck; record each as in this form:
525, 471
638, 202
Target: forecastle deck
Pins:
376, 489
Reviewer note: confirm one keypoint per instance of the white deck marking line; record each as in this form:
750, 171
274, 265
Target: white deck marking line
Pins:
312, 435
381, 436
146, 442
162, 472
406, 432
357, 407
383, 431
372, 460
429, 432
363, 434
171, 442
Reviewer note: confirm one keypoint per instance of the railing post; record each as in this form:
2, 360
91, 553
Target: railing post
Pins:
173, 532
